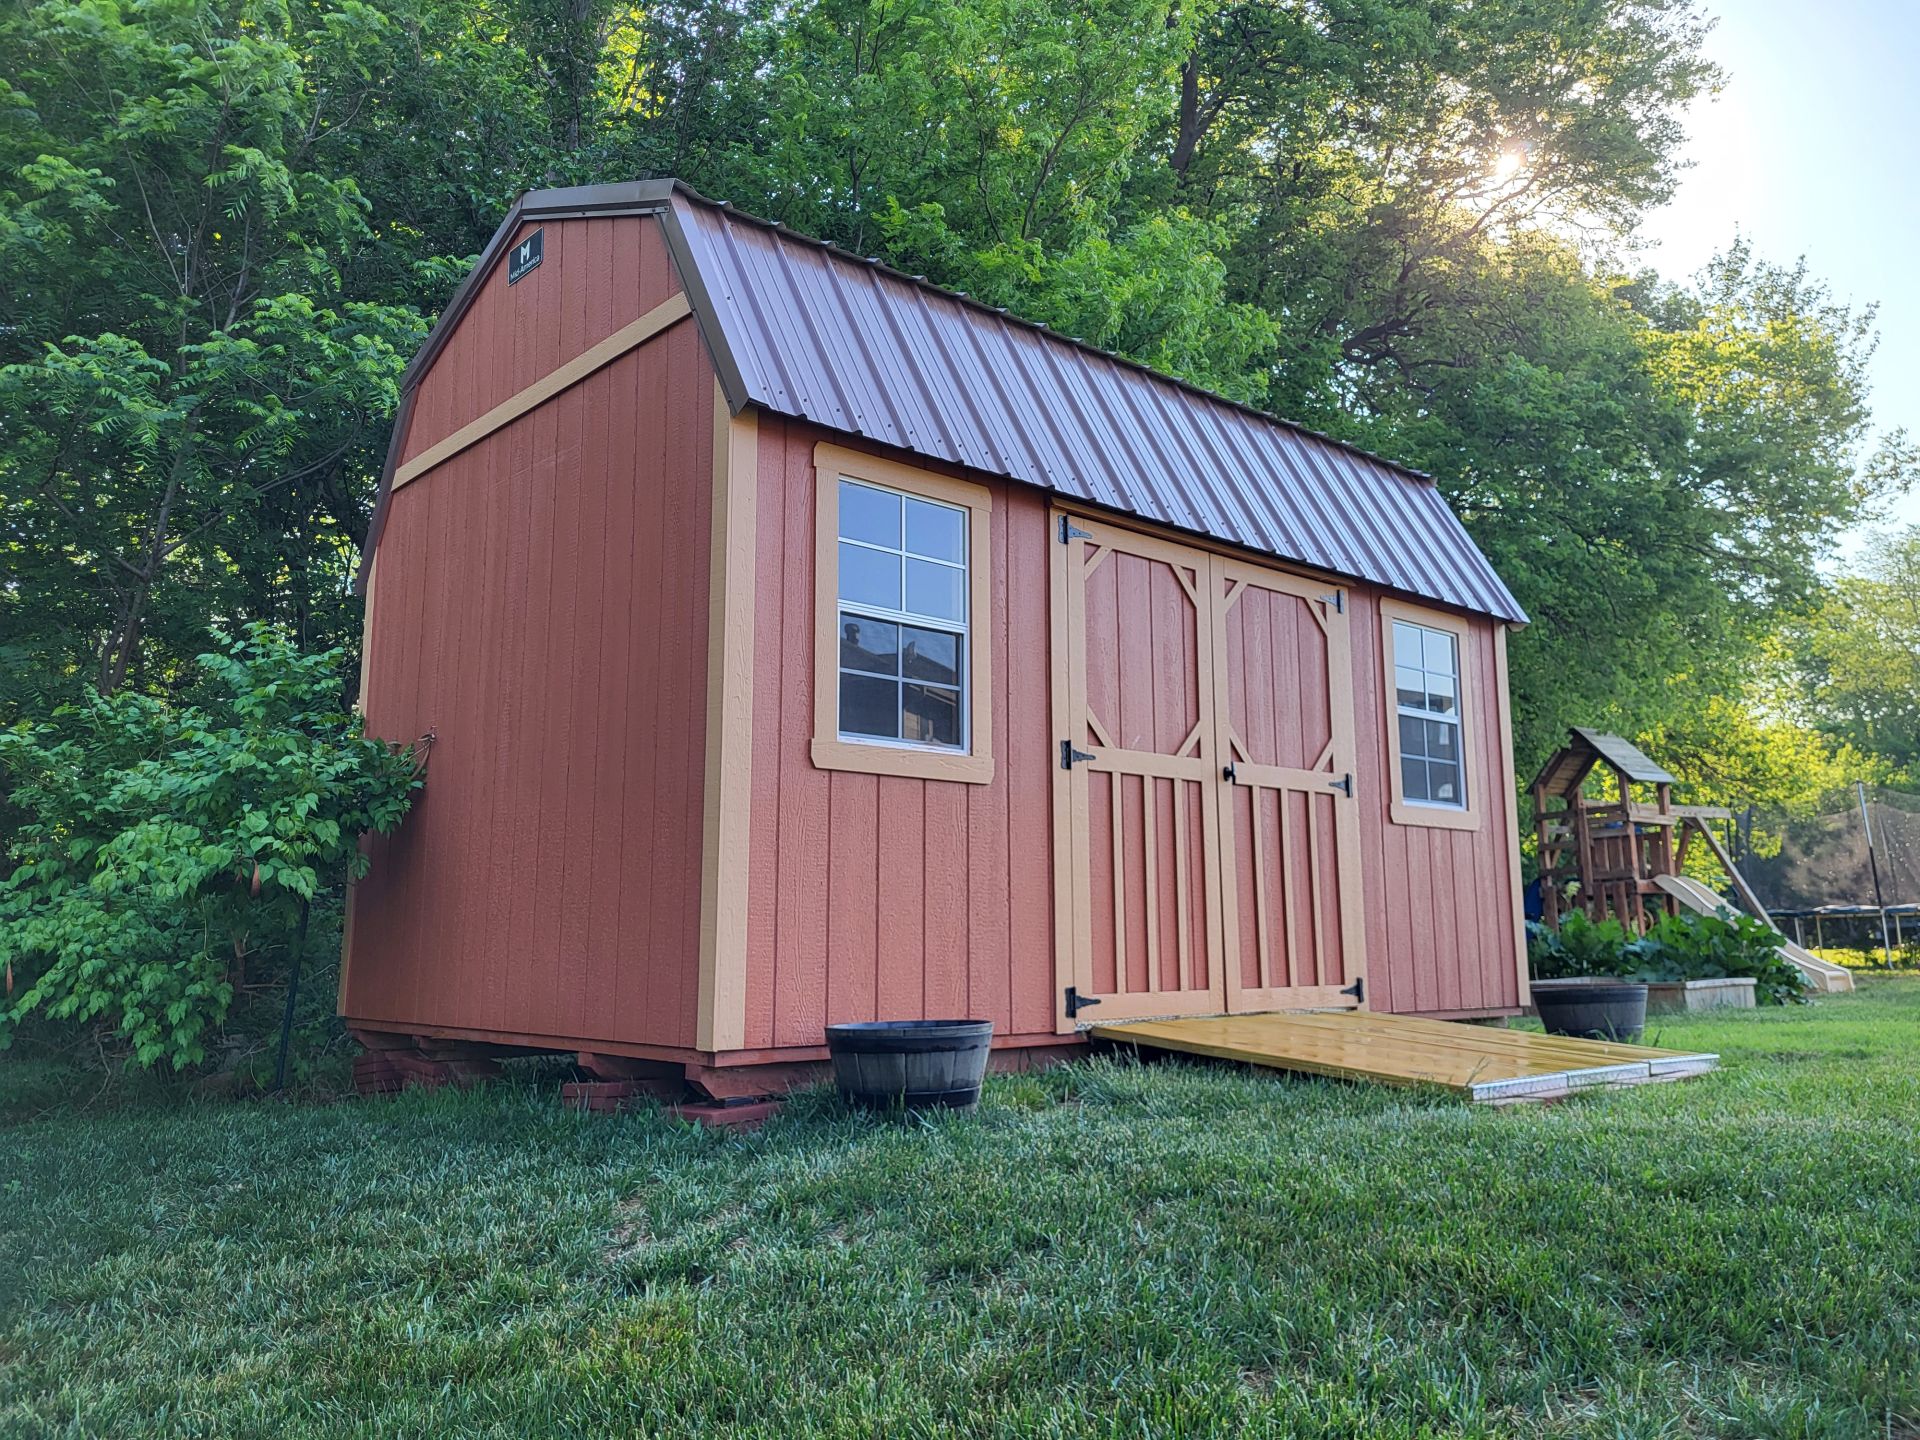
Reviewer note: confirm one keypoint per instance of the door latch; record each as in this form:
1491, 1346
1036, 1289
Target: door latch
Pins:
1230, 773
1069, 757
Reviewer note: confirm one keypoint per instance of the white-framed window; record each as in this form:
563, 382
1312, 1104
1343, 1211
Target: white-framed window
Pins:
903, 596
1427, 689
903, 627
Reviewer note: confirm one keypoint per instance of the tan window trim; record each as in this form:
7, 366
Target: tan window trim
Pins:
1399, 808
830, 752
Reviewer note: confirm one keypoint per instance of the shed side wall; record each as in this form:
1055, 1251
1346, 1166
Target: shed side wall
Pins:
543, 610
1440, 926
883, 898
877, 897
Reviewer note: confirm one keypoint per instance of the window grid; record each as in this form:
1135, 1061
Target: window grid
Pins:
1427, 686
923, 688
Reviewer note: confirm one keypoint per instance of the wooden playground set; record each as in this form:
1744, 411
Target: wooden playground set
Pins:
1624, 855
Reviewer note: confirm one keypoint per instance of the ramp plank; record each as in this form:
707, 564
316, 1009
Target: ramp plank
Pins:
1479, 1063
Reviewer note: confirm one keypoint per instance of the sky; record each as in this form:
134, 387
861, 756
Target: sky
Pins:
1813, 149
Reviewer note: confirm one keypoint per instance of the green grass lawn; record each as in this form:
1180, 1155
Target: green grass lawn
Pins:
1109, 1249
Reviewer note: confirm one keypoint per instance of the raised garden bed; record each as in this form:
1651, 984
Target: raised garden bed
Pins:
1732, 992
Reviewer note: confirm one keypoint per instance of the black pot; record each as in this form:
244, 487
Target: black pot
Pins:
1592, 1009
910, 1064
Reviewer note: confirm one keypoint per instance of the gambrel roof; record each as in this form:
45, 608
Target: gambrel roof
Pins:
803, 329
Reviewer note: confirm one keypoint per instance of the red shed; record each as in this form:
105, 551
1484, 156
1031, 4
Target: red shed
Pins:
804, 643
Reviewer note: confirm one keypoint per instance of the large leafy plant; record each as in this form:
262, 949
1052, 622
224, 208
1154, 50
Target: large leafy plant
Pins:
163, 840
1710, 947
1677, 947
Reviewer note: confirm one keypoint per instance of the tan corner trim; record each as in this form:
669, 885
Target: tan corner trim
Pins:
666, 313
1069, 811
1513, 819
366, 635
830, 752
1399, 809
721, 1023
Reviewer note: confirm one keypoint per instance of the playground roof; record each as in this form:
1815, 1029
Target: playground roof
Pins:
1569, 766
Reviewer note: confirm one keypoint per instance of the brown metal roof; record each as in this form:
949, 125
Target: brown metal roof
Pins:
807, 330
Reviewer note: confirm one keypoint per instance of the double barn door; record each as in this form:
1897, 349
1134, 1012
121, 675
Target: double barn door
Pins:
1205, 837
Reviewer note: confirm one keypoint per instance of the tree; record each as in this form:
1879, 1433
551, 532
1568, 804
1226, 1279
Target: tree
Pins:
166, 840
1857, 654
193, 388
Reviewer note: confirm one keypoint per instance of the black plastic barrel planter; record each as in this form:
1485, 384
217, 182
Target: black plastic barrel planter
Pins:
910, 1064
1592, 1009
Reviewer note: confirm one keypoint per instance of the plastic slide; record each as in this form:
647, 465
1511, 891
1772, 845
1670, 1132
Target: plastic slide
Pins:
1825, 975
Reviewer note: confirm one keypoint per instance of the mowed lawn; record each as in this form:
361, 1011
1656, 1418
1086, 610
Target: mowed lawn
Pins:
1110, 1249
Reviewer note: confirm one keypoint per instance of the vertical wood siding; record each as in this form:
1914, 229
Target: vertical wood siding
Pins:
542, 608
1439, 903
595, 276
877, 897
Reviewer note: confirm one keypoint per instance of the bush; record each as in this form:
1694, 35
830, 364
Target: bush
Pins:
165, 841
1678, 947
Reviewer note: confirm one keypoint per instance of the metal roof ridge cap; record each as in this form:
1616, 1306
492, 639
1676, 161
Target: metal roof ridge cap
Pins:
611, 195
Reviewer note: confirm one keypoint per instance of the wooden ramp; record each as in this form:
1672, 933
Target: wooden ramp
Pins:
1823, 975
1478, 1062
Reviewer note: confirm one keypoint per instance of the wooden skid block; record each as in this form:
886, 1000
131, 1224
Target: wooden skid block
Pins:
740, 1082
375, 1074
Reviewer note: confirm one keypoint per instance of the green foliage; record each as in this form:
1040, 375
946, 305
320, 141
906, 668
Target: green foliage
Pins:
1676, 947
163, 840
197, 395
1580, 947
1857, 655
1712, 947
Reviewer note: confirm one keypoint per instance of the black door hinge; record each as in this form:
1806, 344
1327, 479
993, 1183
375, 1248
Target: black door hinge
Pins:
1070, 532
1069, 757
1338, 599
1358, 989
1344, 784
1076, 1002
